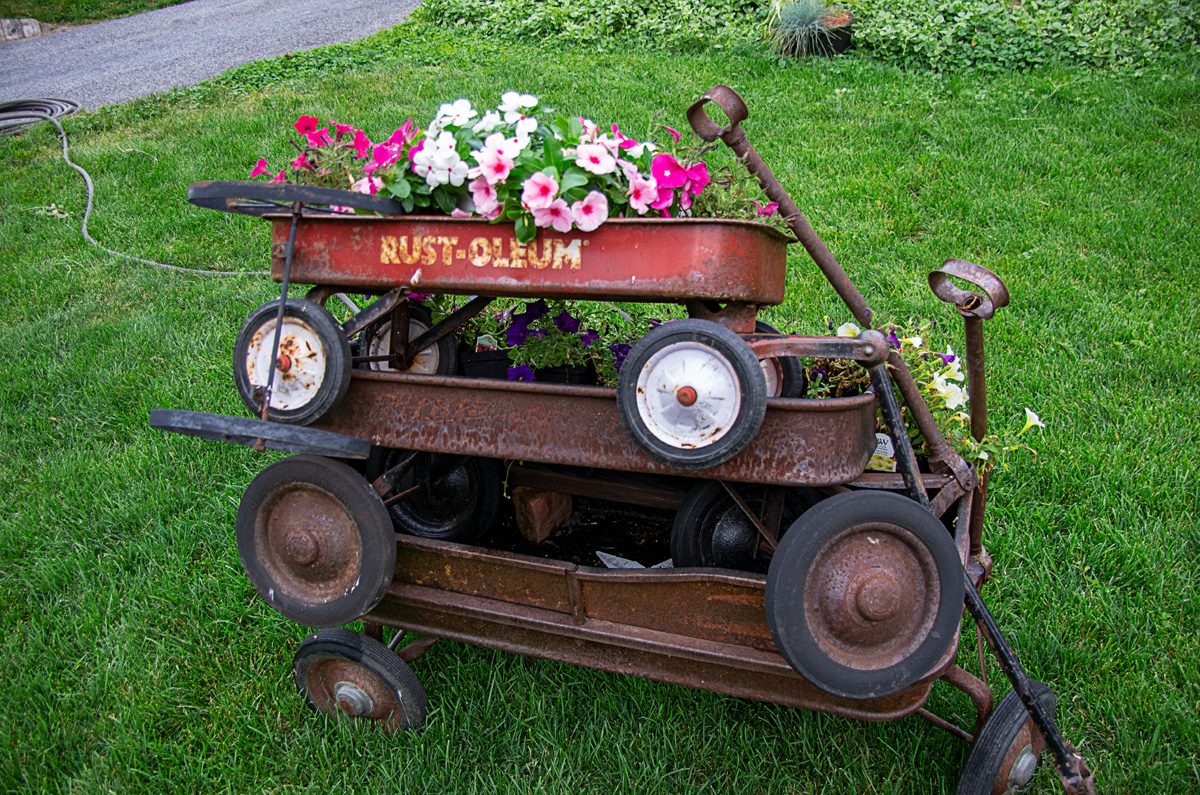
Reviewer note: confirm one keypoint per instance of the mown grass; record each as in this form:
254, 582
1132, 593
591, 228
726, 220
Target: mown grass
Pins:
78, 11
138, 657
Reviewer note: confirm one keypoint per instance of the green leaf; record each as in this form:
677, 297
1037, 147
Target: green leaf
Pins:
553, 151
445, 201
525, 229
400, 189
573, 178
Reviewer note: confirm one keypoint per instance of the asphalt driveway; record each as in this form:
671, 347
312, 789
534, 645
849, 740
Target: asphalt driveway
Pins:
122, 59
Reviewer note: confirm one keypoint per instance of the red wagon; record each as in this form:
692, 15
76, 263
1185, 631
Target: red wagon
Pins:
859, 609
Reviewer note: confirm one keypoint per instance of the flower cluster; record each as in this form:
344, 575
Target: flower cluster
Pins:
517, 163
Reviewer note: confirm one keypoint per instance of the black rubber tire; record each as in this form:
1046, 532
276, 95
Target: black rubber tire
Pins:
410, 705
793, 383
334, 345
711, 531
461, 506
420, 320
800, 549
982, 769
372, 528
751, 386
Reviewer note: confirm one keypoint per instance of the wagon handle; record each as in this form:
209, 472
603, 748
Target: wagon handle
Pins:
734, 137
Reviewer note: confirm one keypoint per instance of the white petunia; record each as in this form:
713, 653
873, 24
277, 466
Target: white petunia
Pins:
848, 330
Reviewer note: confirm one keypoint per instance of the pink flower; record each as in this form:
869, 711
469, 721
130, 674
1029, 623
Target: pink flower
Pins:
319, 137
697, 178
642, 193
301, 162
340, 130
362, 145
671, 131
664, 200
306, 124
260, 168
367, 185
413, 150
494, 213
457, 213
539, 192
281, 176
556, 215
483, 195
402, 135
385, 155
667, 172
590, 212
595, 158
769, 209
493, 165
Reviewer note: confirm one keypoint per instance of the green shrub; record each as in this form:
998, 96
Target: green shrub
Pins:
943, 35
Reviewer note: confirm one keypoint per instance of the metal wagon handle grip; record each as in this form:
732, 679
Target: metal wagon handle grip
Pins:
982, 305
728, 101
262, 198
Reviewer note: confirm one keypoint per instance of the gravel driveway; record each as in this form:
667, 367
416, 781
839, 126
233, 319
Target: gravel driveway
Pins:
122, 59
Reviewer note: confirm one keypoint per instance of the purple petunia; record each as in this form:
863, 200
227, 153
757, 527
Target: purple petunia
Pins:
566, 323
588, 337
620, 351
517, 332
521, 372
892, 339
947, 358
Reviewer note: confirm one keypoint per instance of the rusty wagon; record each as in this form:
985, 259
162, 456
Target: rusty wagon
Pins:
859, 609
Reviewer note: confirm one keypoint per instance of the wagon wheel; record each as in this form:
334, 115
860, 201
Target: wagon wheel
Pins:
344, 673
452, 498
865, 594
315, 540
784, 374
436, 359
710, 529
691, 392
312, 365
1007, 752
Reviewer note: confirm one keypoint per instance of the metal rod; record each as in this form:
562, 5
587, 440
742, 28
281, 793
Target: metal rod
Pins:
283, 292
772, 542
1067, 762
906, 459
942, 723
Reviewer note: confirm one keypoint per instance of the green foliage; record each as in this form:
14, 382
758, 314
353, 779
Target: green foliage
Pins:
78, 11
800, 27
998, 35
685, 25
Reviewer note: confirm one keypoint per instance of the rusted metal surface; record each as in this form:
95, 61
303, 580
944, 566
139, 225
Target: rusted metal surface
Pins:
608, 485
699, 628
625, 259
976, 689
801, 442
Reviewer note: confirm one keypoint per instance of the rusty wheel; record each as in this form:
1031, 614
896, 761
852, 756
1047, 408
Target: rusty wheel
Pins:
691, 392
344, 673
439, 358
312, 365
315, 540
865, 594
1007, 752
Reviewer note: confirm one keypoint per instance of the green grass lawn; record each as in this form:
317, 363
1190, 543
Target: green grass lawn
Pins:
138, 657
78, 11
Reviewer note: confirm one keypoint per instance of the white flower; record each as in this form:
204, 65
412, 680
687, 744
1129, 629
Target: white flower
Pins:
455, 114
848, 330
954, 369
502, 145
490, 121
526, 126
512, 104
983, 455
916, 342
1032, 420
439, 162
595, 158
952, 394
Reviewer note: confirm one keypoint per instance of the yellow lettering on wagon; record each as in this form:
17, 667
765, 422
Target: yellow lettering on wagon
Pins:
479, 252
387, 250
569, 254
447, 244
397, 250
539, 261
497, 248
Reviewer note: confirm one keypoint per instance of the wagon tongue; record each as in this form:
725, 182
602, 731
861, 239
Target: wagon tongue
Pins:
259, 434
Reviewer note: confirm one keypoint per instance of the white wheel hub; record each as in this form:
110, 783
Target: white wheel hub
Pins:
688, 395
425, 362
299, 365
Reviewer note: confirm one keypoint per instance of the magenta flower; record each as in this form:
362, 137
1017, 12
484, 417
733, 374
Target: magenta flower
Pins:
301, 162
306, 124
402, 135
260, 168
521, 372
539, 192
385, 155
362, 145
769, 209
557, 216
664, 200
415, 149
319, 138
590, 212
341, 130
667, 172
671, 131
697, 178
367, 185
281, 176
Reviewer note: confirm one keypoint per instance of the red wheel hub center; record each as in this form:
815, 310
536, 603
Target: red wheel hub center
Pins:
283, 363
686, 395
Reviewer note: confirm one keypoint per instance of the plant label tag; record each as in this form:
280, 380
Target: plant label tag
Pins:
884, 457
